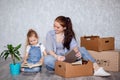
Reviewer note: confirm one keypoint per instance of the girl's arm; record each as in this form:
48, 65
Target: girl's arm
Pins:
26, 54
42, 58
25, 58
44, 53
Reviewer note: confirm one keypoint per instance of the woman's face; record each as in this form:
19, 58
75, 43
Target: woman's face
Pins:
58, 28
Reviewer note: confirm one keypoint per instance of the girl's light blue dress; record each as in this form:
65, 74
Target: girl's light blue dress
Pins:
34, 57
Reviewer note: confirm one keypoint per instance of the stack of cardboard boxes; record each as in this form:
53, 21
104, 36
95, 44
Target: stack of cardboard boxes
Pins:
102, 49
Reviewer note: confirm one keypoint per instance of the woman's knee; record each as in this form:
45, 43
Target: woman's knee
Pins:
48, 59
82, 49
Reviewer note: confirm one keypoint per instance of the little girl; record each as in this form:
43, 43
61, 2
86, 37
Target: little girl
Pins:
34, 52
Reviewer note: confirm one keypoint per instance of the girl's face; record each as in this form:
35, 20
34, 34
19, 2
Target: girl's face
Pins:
33, 40
58, 28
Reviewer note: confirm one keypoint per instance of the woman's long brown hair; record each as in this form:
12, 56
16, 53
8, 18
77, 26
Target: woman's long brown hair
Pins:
68, 32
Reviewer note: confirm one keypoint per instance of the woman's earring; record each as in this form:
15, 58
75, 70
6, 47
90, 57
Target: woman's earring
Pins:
64, 28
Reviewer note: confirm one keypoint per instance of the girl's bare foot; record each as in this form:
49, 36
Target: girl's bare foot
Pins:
22, 69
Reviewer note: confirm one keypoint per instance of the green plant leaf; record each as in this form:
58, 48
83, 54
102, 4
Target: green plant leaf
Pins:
13, 51
17, 56
17, 47
6, 56
18, 53
2, 53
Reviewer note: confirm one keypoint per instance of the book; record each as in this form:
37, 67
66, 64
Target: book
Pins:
70, 57
77, 62
31, 65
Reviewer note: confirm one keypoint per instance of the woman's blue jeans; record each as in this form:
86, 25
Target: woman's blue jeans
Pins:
49, 60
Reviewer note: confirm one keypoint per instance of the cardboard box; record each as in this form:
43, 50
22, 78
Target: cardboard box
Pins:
96, 43
110, 60
68, 70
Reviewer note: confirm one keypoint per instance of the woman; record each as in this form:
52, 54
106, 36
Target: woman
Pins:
61, 40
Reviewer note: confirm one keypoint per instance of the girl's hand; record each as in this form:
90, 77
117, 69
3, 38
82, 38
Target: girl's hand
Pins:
40, 62
61, 58
25, 62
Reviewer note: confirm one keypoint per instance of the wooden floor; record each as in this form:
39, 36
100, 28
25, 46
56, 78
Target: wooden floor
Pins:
46, 75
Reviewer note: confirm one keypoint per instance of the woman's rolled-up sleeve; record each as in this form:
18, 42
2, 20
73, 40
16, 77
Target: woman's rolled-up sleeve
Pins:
49, 42
73, 43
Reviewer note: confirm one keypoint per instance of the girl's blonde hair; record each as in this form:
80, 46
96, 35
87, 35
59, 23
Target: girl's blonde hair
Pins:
30, 33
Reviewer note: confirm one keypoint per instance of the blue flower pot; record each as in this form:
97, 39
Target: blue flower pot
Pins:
15, 69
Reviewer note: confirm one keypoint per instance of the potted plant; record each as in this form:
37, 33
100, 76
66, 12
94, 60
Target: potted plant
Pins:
15, 55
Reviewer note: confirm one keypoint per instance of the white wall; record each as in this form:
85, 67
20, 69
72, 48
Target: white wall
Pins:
89, 17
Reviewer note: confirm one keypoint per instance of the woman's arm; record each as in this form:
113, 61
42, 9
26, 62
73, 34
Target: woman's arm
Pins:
75, 47
78, 54
51, 46
53, 54
49, 43
58, 57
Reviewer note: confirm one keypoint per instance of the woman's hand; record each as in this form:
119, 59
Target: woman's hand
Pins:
61, 58
78, 54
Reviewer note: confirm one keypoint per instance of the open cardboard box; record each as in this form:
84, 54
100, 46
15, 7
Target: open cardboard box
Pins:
96, 43
68, 70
